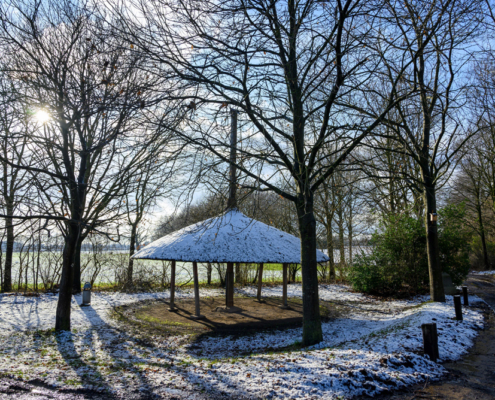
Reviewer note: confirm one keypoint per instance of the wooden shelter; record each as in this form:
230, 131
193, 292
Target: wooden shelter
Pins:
229, 238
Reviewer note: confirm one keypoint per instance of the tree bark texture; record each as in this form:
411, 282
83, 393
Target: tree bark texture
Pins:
238, 277
340, 213
331, 262
312, 333
486, 261
9, 251
76, 284
132, 249
62, 317
208, 272
434, 268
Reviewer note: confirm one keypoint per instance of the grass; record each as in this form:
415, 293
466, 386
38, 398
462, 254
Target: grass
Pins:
114, 287
154, 320
72, 382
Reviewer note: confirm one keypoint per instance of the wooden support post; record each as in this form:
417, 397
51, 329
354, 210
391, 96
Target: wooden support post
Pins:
458, 308
172, 287
465, 294
196, 292
232, 200
229, 285
430, 340
260, 281
284, 287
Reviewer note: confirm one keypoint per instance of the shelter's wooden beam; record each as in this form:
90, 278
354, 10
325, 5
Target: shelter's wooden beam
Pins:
172, 287
196, 292
232, 200
229, 285
260, 282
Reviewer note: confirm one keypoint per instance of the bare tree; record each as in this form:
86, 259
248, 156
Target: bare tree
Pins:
148, 189
14, 183
284, 66
431, 126
470, 189
97, 95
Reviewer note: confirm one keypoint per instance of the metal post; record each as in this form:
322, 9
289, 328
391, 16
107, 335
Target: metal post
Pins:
229, 285
196, 292
458, 308
430, 340
172, 287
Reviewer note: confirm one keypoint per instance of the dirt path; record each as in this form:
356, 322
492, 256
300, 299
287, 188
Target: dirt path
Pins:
474, 376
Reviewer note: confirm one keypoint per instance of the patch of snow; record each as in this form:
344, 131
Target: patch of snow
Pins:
19, 313
371, 350
483, 272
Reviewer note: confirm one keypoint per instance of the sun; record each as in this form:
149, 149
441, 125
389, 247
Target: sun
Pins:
42, 116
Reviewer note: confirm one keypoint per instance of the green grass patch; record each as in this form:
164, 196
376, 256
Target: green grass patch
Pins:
154, 320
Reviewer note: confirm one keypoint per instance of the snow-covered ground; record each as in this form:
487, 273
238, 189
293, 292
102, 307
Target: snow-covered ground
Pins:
371, 349
483, 272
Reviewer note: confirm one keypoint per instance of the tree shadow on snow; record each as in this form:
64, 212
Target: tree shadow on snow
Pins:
118, 358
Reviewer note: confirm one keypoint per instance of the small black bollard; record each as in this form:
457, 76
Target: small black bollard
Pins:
465, 294
430, 340
458, 308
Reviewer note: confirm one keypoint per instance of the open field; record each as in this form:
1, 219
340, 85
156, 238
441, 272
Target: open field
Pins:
106, 269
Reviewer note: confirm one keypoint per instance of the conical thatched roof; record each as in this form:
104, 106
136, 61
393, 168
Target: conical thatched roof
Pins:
231, 237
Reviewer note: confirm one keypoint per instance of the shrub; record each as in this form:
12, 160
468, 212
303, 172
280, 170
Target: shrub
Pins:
477, 259
398, 261
398, 264
454, 238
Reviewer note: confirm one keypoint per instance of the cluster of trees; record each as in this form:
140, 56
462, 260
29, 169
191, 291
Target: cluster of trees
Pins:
346, 108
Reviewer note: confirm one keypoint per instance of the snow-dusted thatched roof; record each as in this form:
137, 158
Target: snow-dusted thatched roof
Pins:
231, 237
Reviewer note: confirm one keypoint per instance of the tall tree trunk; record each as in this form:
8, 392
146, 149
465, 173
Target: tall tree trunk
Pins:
76, 283
238, 277
312, 332
331, 262
435, 270
292, 273
1, 263
62, 317
38, 263
9, 251
208, 272
132, 249
349, 234
486, 262
341, 235
255, 279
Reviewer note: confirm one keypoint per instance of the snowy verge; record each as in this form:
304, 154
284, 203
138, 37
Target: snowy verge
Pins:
372, 349
483, 272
